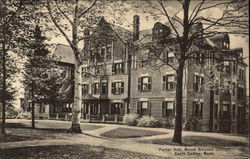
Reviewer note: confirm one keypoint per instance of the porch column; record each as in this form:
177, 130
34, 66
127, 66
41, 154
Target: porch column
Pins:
99, 108
90, 105
125, 108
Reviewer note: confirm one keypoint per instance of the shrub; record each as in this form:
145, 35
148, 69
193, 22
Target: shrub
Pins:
170, 123
24, 115
68, 116
130, 119
193, 124
11, 113
147, 121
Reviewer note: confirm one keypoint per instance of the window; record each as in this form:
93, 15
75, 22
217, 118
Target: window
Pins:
85, 89
104, 88
234, 68
117, 88
117, 108
234, 111
67, 107
96, 88
197, 109
168, 109
109, 52
42, 108
97, 70
225, 112
143, 108
144, 84
240, 93
241, 74
227, 67
216, 111
85, 71
200, 57
241, 113
198, 83
142, 62
168, 57
168, 82
233, 88
118, 68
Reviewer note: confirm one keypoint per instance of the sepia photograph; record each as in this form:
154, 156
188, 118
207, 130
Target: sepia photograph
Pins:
124, 79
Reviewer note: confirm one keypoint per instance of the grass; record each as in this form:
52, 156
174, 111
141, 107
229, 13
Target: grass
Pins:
72, 152
129, 133
44, 130
198, 141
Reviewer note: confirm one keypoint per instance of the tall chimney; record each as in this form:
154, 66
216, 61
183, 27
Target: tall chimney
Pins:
136, 25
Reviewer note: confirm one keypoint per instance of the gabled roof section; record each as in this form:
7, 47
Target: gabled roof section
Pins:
64, 53
108, 29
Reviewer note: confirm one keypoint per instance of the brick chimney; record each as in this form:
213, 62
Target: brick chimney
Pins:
136, 25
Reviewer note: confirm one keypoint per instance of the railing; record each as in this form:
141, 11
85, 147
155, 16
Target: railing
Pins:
104, 118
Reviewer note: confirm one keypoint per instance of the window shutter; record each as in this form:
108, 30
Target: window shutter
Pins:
139, 108
98, 88
163, 109
122, 109
93, 88
122, 87
139, 84
149, 83
122, 69
193, 109
113, 68
149, 108
113, 88
164, 83
87, 89
167, 86
201, 110
174, 111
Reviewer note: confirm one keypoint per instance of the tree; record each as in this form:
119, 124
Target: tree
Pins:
78, 15
42, 77
233, 19
11, 31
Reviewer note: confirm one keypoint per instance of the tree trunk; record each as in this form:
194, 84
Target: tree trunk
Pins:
76, 112
178, 119
4, 85
33, 115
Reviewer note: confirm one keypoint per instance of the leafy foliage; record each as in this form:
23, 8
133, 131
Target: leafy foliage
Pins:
23, 115
148, 121
193, 124
170, 123
130, 119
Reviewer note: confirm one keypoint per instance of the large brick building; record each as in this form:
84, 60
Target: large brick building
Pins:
118, 78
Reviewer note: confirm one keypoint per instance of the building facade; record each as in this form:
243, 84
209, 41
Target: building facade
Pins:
120, 75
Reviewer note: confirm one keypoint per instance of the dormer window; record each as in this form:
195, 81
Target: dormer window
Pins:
160, 31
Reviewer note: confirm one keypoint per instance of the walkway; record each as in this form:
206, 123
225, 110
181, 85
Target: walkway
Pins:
93, 138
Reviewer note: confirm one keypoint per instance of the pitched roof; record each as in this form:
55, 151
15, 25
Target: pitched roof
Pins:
124, 34
107, 29
64, 53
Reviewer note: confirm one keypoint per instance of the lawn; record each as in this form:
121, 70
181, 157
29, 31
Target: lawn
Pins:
44, 130
72, 152
129, 133
199, 141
